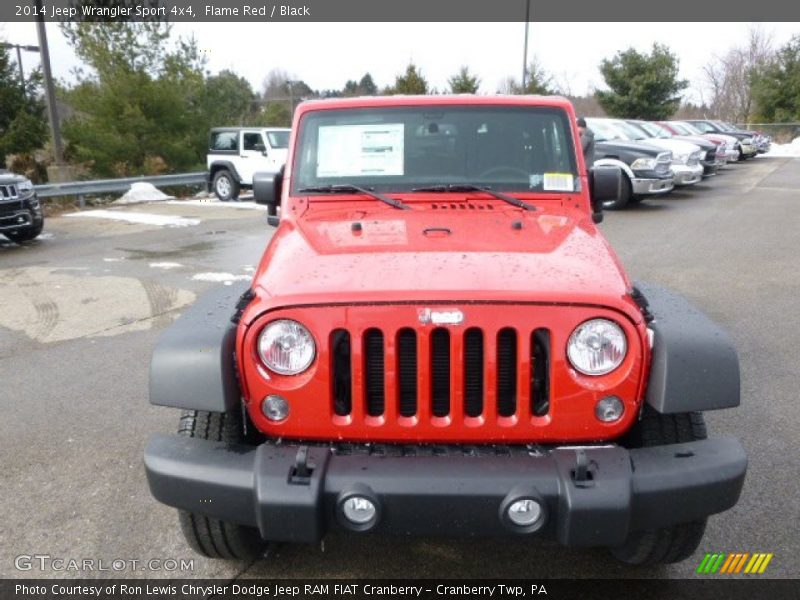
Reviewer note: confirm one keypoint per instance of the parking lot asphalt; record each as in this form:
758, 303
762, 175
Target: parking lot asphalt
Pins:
81, 309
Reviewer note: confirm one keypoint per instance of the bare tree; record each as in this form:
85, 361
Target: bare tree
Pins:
731, 78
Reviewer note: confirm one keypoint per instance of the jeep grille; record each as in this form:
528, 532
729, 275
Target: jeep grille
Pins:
450, 365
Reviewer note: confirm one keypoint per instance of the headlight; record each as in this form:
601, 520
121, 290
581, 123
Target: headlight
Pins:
747, 141
641, 164
597, 347
286, 347
25, 185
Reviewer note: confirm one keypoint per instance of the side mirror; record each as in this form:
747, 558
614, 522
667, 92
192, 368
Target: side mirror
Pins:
605, 184
267, 189
260, 148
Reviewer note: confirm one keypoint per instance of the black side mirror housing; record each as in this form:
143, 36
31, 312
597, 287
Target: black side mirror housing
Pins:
605, 183
267, 188
261, 148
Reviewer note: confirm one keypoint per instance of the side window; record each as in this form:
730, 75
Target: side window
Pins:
252, 141
224, 140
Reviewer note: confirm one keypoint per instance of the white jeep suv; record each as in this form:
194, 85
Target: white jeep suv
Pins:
235, 153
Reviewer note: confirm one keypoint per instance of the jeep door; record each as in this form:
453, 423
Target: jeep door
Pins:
253, 156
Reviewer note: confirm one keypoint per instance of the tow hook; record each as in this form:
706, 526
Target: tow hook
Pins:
300, 473
583, 473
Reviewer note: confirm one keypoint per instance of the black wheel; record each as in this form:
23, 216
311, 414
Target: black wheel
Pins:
206, 535
668, 544
625, 194
226, 186
25, 235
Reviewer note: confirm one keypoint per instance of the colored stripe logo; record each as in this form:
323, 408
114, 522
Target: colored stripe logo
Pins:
731, 563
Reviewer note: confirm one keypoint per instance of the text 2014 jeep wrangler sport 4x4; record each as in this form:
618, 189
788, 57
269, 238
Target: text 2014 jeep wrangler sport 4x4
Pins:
439, 340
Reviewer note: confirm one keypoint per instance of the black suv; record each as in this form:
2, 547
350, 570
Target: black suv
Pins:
21, 217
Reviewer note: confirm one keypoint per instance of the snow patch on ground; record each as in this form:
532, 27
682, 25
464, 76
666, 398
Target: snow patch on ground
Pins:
136, 217
113, 259
142, 191
226, 278
217, 203
165, 265
790, 150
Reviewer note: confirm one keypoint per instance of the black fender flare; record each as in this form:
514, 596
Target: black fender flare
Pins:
193, 363
222, 164
694, 364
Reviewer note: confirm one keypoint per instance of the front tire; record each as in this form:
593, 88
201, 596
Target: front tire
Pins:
667, 544
206, 535
226, 186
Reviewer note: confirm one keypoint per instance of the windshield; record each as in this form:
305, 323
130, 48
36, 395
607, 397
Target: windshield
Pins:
681, 128
689, 128
656, 130
704, 127
632, 132
278, 139
603, 131
397, 149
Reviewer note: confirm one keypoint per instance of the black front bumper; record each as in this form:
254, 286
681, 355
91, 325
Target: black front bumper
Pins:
452, 494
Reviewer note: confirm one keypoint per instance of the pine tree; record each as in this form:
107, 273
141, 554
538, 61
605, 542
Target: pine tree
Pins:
23, 126
642, 86
464, 82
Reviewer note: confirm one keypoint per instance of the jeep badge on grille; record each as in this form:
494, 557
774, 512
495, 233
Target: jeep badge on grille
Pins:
429, 316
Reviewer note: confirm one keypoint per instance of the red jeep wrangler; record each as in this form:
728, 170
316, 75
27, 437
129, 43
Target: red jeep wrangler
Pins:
438, 340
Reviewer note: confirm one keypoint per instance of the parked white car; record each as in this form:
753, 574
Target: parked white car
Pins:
236, 153
686, 156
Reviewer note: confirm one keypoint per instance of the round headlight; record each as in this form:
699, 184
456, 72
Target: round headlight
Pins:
597, 347
286, 347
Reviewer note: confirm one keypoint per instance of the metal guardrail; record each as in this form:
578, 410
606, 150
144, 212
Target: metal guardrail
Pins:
107, 186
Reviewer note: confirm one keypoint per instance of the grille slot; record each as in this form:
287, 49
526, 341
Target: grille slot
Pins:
506, 372
473, 372
374, 391
8, 192
341, 371
407, 372
540, 377
440, 372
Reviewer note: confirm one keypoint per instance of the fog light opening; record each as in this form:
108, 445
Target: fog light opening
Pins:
359, 510
526, 513
609, 409
275, 408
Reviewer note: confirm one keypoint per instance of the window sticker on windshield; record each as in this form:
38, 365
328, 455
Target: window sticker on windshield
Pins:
535, 180
361, 150
559, 182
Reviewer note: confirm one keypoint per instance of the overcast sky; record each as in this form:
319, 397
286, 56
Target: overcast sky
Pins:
325, 55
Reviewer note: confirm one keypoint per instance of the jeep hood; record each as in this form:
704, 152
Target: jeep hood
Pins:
451, 253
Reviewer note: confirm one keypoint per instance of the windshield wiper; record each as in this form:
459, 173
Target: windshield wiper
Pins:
470, 187
347, 188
